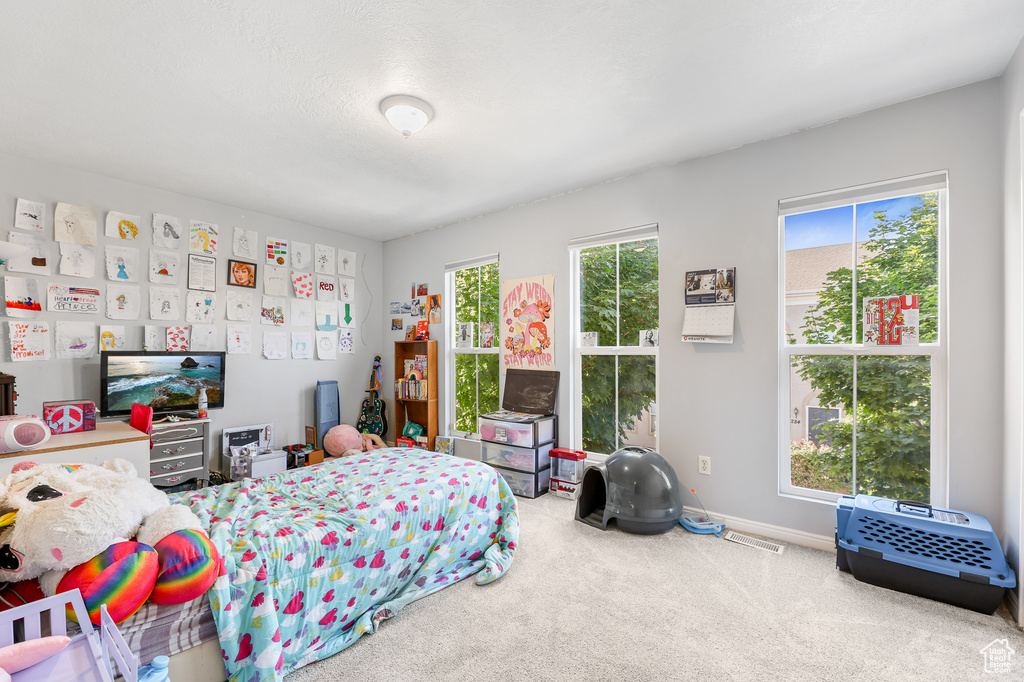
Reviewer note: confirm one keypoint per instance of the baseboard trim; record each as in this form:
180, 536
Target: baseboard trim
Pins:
798, 537
1013, 605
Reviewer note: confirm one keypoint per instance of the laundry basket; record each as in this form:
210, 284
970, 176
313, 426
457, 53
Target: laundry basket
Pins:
86, 659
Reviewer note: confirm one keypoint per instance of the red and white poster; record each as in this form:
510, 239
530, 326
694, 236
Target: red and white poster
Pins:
892, 321
527, 325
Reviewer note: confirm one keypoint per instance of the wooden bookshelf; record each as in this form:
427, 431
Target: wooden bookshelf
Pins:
423, 412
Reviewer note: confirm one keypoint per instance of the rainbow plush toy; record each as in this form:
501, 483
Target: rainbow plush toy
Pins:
71, 526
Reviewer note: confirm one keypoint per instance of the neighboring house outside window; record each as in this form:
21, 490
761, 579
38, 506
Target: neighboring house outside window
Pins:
471, 317
615, 294
856, 417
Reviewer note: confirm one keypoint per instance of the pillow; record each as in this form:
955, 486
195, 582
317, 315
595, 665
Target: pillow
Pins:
26, 654
189, 564
121, 576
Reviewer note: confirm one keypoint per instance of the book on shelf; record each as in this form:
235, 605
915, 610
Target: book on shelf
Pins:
420, 365
410, 389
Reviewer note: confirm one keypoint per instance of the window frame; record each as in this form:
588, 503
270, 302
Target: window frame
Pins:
926, 183
576, 370
451, 332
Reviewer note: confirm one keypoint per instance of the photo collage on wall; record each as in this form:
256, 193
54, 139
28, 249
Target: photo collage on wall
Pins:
414, 316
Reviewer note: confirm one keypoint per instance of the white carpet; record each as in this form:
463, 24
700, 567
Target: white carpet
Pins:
584, 604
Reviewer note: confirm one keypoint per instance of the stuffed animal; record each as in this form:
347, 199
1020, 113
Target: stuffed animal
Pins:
344, 440
71, 525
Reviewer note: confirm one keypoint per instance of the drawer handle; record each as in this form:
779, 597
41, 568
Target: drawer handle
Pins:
172, 467
168, 451
174, 479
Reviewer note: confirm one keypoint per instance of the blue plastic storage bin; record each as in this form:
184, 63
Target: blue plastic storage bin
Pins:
946, 555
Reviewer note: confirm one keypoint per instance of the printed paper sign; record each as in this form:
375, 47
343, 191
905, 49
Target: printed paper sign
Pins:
892, 321
64, 299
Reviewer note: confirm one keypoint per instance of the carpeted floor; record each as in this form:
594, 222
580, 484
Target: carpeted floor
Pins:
582, 604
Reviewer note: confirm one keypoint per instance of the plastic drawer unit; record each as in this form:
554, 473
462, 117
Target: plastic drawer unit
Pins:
518, 428
512, 457
942, 554
526, 484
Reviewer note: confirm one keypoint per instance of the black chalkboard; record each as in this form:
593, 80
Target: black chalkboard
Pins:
530, 390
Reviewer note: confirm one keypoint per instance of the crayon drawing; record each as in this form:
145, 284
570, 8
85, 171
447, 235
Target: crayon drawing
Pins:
74, 224
77, 260
123, 302
122, 264
75, 340
167, 231
28, 341
163, 266
22, 296
122, 226
111, 337
29, 215
202, 238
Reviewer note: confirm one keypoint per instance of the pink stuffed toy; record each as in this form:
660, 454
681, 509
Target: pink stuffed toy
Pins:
344, 440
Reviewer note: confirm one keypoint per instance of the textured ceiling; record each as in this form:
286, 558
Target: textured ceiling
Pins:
273, 106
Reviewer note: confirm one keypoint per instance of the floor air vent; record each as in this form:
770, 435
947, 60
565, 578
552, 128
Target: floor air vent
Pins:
756, 543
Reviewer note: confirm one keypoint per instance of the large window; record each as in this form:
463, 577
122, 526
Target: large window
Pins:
472, 307
862, 417
615, 337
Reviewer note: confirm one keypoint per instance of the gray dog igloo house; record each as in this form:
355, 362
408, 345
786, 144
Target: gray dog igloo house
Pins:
636, 487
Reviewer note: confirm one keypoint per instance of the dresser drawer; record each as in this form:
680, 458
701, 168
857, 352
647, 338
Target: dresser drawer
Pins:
176, 449
176, 477
182, 431
175, 464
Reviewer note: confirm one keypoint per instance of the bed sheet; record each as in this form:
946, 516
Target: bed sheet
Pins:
316, 557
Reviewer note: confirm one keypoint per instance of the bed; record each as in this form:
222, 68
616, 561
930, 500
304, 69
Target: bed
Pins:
317, 557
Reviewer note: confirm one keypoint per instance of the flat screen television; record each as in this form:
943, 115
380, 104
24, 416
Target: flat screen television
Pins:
168, 381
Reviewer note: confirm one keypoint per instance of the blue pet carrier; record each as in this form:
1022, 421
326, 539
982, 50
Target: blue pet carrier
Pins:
949, 556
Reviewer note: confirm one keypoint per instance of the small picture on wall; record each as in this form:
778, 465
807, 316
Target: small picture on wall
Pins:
241, 274
421, 289
396, 324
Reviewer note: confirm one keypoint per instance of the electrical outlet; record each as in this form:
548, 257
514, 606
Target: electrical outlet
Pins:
704, 465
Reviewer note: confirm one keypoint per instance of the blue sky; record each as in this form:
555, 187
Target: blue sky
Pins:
835, 225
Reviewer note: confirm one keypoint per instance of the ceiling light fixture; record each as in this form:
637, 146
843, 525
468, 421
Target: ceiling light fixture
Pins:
407, 114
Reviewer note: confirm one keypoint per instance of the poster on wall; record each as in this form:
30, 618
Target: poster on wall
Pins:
527, 325
892, 321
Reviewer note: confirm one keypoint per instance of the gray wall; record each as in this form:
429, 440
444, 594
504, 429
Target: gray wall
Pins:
258, 390
722, 211
1013, 260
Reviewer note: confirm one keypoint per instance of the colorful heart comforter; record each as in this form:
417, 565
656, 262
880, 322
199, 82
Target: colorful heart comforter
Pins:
316, 557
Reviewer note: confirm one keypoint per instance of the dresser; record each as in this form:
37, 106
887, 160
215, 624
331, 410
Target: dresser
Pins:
180, 453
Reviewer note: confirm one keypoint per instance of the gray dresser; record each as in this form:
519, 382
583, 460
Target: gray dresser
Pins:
180, 453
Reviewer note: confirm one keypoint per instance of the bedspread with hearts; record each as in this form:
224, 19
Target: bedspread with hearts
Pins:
318, 556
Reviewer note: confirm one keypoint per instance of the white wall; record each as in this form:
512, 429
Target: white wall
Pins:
1013, 474
257, 390
722, 211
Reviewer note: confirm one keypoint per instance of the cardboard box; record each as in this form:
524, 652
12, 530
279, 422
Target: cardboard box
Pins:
69, 416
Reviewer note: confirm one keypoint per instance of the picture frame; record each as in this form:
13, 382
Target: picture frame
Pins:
241, 274
202, 272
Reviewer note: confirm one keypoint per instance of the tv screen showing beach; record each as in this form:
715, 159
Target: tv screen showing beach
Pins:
163, 382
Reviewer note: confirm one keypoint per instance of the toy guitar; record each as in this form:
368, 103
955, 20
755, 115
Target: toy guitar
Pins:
373, 417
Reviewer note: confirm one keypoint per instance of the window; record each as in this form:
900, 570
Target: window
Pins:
615, 331
871, 413
472, 319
